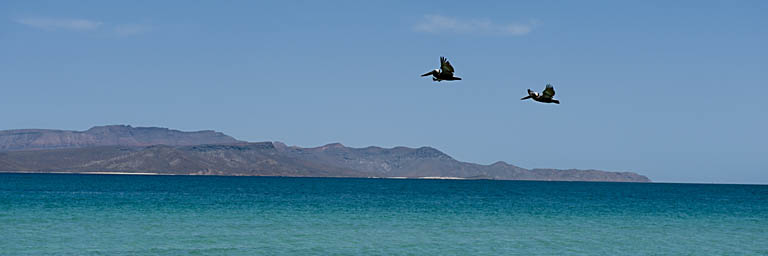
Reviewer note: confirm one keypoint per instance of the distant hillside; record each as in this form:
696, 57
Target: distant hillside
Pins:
277, 159
113, 135
253, 159
430, 162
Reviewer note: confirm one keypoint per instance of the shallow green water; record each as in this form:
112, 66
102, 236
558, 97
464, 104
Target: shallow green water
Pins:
181, 215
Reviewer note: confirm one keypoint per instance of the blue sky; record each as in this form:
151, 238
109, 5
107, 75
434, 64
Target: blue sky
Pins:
672, 90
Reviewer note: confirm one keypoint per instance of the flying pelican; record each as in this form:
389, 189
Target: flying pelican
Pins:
545, 96
444, 73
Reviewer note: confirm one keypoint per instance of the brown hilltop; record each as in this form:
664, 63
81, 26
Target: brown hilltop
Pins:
112, 135
160, 150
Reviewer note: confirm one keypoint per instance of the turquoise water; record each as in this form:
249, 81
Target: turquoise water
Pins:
65, 214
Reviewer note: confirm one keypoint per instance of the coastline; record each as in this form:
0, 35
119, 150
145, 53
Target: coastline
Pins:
107, 173
352, 177
427, 178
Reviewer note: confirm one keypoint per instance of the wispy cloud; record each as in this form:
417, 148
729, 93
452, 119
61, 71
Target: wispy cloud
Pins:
131, 29
66, 24
442, 24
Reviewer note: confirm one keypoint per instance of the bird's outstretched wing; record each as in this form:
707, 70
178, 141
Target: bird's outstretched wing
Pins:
549, 92
445, 65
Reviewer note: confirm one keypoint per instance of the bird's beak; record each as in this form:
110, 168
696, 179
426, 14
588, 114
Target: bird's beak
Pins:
526, 97
430, 72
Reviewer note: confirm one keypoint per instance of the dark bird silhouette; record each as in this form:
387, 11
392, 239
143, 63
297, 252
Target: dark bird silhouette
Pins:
545, 96
444, 73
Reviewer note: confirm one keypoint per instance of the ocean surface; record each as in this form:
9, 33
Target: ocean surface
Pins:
69, 214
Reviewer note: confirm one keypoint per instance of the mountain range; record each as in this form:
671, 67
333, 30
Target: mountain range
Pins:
126, 149
111, 135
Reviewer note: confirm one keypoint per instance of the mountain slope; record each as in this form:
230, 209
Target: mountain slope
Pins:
430, 162
276, 159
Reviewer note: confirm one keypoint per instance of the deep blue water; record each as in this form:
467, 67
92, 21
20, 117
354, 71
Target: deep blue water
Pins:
66, 214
